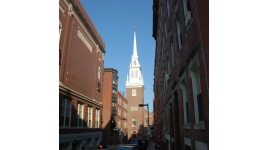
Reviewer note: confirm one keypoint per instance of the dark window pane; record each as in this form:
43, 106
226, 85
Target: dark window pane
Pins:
200, 107
67, 119
187, 111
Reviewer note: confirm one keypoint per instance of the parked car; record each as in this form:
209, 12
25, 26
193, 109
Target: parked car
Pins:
139, 142
125, 148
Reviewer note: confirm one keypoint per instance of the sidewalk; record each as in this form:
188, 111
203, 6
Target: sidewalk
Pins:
152, 145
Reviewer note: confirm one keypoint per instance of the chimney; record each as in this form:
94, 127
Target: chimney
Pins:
123, 94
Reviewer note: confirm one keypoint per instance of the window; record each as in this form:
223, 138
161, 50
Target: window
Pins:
134, 122
114, 92
99, 71
119, 112
134, 92
136, 73
80, 114
166, 29
89, 116
168, 8
113, 104
198, 107
97, 141
60, 56
187, 13
179, 34
97, 118
99, 87
89, 142
185, 102
172, 53
134, 62
119, 123
60, 28
66, 113
113, 82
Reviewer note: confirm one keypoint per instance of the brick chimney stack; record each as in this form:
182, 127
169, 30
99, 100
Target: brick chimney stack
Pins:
123, 94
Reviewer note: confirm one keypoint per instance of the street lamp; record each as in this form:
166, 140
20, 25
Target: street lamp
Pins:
142, 105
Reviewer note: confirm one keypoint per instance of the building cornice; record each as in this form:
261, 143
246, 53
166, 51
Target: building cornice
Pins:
79, 95
87, 25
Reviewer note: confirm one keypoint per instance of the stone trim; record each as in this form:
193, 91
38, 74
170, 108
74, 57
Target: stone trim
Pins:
79, 95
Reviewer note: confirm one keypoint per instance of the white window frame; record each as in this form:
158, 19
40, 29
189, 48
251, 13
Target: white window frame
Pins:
193, 67
99, 72
172, 54
183, 82
64, 113
134, 92
168, 8
166, 30
134, 121
79, 106
89, 116
178, 34
60, 28
97, 118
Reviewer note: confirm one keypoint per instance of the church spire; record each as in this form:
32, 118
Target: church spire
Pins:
135, 55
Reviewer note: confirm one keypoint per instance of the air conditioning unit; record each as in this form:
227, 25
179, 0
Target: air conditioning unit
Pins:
188, 18
167, 77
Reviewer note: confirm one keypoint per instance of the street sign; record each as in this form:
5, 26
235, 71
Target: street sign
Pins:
115, 129
152, 130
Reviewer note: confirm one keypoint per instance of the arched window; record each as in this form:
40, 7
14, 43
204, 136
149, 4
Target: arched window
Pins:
132, 73
134, 62
99, 71
60, 28
134, 92
134, 122
136, 73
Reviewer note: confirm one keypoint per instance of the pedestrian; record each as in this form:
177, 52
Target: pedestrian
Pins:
74, 144
83, 147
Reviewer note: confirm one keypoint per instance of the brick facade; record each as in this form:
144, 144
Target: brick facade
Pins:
110, 109
122, 118
81, 62
181, 74
134, 101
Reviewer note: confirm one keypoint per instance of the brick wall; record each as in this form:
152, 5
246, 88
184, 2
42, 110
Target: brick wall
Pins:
195, 41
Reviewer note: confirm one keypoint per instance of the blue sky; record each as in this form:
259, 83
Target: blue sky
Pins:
114, 20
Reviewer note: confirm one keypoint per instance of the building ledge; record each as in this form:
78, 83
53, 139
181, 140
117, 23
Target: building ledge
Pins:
200, 126
186, 126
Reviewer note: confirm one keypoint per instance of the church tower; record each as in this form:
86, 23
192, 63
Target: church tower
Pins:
135, 96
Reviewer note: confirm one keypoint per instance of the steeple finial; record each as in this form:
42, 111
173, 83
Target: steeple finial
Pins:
135, 55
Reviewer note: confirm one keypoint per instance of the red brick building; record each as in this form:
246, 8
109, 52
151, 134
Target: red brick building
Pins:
81, 61
114, 109
121, 118
181, 106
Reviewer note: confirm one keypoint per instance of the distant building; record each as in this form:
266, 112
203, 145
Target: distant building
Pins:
121, 118
135, 96
109, 99
181, 71
81, 61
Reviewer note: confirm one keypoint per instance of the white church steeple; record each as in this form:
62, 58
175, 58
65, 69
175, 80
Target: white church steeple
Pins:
135, 77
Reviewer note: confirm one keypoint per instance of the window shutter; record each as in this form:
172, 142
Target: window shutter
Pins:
200, 107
